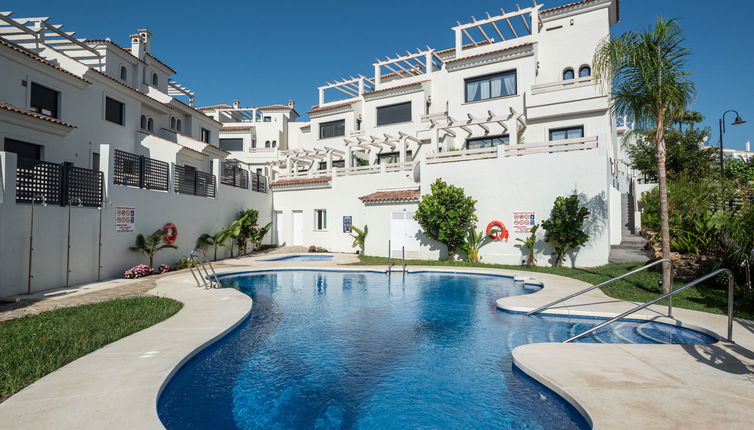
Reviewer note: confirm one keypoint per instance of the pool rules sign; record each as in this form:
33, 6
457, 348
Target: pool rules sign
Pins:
523, 221
124, 219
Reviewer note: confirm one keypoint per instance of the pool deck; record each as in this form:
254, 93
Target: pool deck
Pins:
616, 386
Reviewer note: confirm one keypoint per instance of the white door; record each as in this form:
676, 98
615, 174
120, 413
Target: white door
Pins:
404, 232
279, 238
298, 228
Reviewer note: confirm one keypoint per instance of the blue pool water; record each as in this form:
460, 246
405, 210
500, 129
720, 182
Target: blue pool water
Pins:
310, 257
338, 350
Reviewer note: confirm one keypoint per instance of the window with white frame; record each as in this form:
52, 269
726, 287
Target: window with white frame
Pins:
267, 119
567, 133
490, 86
487, 142
123, 73
155, 79
320, 219
205, 135
585, 71
178, 125
568, 74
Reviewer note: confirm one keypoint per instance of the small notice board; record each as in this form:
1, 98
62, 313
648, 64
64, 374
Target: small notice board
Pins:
347, 223
523, 221
125, 219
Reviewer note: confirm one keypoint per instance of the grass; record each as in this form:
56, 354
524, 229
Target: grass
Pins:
35, 345
640, 287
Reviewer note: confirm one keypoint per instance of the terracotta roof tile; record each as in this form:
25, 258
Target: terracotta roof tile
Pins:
470, 45
301, 181
40, 59
489, 53
163, 64
221, 106
16, 109
323, 108
569, 5
398, 86
237, 128
110, 42
391, 196
274, 107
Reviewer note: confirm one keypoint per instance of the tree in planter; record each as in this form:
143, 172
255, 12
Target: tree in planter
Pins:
650, 85
359, 239
474, 241
258, 234
446, 214
150, 245
247, 221
563, 229
529, 243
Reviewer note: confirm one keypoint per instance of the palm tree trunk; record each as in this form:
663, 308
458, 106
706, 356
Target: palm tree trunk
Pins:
151, 260
664, 221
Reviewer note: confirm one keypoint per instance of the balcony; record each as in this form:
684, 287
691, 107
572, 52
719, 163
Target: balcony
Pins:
566, 97
462, 155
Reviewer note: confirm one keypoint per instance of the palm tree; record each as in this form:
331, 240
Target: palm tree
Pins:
149, 245
214, 240
650, 85
359, 239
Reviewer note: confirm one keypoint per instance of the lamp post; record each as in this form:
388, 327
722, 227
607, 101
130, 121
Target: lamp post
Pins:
43, 201
736, 121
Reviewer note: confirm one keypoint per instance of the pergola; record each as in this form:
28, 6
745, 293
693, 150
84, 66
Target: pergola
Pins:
377, 145
353, 87
409, 65
493, 124
239, 114
505, 26
34, 33
176, 90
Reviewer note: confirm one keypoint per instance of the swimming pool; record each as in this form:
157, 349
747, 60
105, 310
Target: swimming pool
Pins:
309, 257
342, 350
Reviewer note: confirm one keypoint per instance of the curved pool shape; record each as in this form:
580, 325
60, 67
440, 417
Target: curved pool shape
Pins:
310, 257
356, 350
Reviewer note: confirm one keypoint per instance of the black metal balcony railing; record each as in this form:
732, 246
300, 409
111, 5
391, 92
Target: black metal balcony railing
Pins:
139, 171
58, 184
258, 183
231, 174
188, 180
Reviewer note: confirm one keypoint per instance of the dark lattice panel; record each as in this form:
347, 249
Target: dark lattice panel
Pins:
155, 174
205, 184
258, 183
185, 180
83, 186
38, 178
127, 169
231, 174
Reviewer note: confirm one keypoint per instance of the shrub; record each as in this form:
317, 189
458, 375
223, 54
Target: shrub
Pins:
317, 249
529, 243
164, 268
474, 241
185, 263
150, 245
359, 239
446, 215
139, 271
563, 229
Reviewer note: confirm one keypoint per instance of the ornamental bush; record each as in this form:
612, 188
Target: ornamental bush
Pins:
446, 215
139, 271
563, 229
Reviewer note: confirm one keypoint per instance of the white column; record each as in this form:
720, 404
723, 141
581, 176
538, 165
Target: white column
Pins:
321, 96
329, 161
428, 61
349, 157
106, 163
435, 141
459, 42
377, 76
513, 126
288, 165
361, 87
402, 151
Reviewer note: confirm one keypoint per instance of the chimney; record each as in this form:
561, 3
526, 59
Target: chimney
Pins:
748, 145
146, 39
235, 104
137, 47
291, 103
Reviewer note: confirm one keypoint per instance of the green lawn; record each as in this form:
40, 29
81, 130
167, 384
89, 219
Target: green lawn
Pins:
640, 287
33, 346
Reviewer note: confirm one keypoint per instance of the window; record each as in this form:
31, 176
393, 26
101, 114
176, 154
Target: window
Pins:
585, 71
392, 114
491, 86
178, 125
259, 171
487, 142
205, 135
568, 74
268, 119
332, 129
155, 80
393, 157
567, 133
123, 73
253, 143
234, 144
114, 111
274, 143
266, 143
150, 124
23, 149
336, 163
143, 122
320, 219
172, 123
44, 100
95, 161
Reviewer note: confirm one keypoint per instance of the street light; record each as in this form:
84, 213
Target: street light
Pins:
737, 121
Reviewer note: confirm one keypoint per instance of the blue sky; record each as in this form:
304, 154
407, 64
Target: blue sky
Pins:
269, 52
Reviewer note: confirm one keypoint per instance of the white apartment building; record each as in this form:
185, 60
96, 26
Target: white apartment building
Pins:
510, 112
95, 142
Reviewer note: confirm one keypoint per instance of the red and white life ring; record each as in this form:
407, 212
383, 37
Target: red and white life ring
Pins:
171, 233
500, 232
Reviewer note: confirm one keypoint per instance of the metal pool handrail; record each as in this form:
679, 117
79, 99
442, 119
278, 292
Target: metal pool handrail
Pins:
578, 293
664, 296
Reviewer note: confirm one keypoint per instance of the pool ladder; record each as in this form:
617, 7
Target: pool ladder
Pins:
198, 257
668, 296
390, 264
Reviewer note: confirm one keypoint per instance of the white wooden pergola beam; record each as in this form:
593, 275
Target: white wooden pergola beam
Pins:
481, 30
334, 151
494, 26
409, 137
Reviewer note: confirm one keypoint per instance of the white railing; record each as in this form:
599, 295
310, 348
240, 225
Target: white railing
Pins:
399, 167
361, 170
462, 155
563, 85
304, 175
551, 146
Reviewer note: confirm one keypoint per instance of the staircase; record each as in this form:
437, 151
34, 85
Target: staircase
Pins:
631, 248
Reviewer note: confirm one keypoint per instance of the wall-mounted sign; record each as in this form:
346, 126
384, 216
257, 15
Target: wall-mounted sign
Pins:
523, 221
347, 223
124, 219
